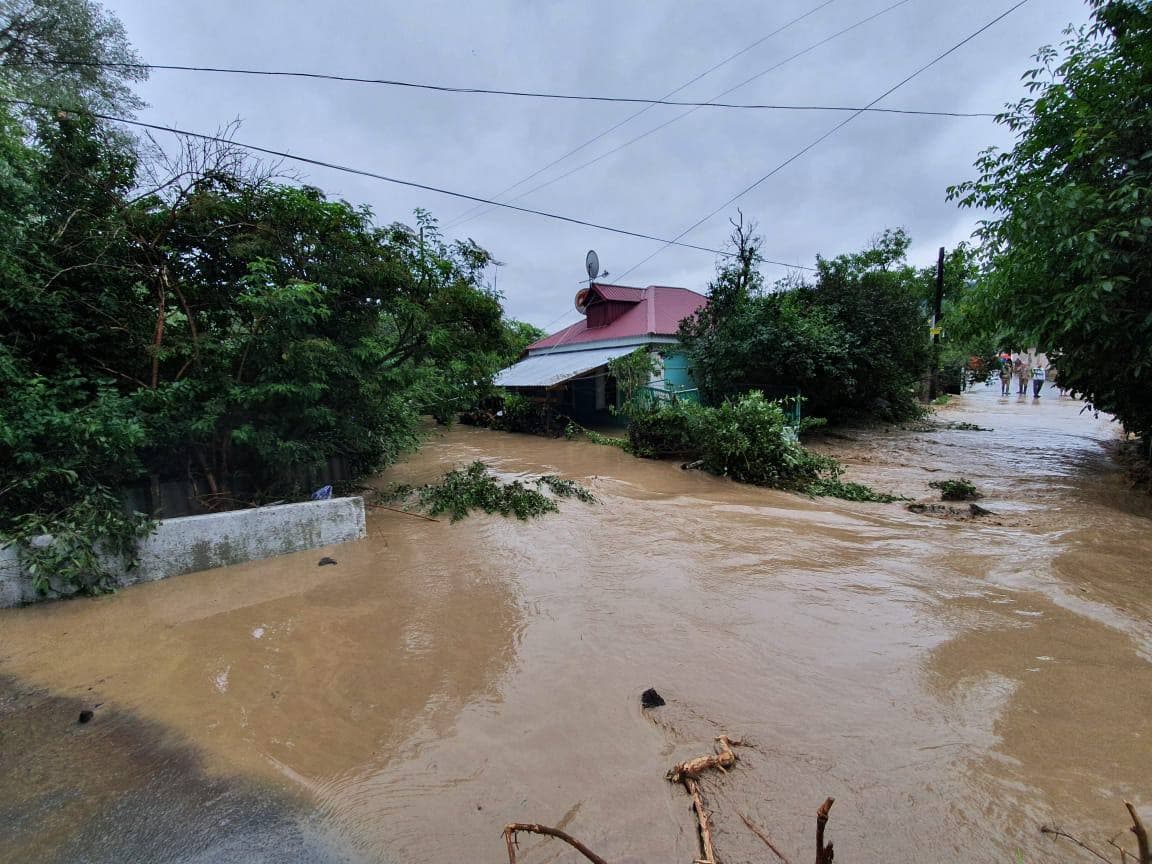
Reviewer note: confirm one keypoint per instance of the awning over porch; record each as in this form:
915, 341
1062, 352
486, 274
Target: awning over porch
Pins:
549, 368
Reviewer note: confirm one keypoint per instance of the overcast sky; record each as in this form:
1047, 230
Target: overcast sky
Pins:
878, 171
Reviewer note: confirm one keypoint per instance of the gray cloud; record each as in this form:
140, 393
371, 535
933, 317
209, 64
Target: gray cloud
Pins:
879, 171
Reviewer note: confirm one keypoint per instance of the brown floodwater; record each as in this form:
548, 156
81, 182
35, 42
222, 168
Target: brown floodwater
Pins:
952, 683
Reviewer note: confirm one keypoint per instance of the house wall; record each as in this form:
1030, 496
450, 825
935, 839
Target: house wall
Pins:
676, 371
605, 312
584, 408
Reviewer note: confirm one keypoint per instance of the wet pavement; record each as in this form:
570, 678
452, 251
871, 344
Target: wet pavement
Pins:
952, 683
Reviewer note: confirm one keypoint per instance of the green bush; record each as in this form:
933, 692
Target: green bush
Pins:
748, 439
461, 491
669, 431
957, 489
511, 412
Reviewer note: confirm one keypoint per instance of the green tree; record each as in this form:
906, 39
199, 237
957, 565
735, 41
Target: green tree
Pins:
199, 320
852, 342
518, 335
1067, 243
875, 299
36, 35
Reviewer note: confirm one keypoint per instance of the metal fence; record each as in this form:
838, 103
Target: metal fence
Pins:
656, 397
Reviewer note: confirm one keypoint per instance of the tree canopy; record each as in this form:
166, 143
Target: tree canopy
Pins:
852, 341
199, 320
1066, 245
63, 54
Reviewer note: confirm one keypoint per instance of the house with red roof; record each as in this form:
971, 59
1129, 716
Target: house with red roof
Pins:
569, 368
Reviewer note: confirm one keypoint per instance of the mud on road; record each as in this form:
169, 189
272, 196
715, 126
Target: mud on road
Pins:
952, 683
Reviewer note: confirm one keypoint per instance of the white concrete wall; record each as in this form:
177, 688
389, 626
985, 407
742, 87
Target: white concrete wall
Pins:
193, 543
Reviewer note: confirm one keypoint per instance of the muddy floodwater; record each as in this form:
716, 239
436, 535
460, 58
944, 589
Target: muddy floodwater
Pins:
952, 683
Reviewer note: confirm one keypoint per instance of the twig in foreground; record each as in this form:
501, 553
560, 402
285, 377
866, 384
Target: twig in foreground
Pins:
533, 828
764, 838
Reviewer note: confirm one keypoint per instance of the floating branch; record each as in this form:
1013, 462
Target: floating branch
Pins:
512, 829
764, 838
688, 773
1143, 856
1141, 834
824, 854
693, 768
705, 820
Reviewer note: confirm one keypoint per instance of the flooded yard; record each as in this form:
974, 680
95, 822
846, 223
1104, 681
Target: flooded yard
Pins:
953, 684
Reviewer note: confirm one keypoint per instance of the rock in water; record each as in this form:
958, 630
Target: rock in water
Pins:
325, 561
651, 699
86, 715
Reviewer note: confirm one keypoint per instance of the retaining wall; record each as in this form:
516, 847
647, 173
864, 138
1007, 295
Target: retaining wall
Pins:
193, 543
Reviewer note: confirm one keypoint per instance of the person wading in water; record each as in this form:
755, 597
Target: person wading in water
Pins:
1022, 375
1039, 374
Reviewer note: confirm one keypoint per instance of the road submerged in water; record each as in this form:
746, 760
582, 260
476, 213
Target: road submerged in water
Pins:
952, 683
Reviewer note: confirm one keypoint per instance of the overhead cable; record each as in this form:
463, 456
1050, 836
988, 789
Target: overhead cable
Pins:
468, 214
280, 154
636, 100
806, 50
825, 136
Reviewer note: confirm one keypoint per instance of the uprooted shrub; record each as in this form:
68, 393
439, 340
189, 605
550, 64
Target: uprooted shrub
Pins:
748, 439
958, 489
461, 491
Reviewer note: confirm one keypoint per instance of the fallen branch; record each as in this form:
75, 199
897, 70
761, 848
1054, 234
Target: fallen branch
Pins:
693, 768
1141, 834
824, 854
689, 773
704, 818
1124, 853
1056, 832
1144, 855
405, 512
511, 830
764, 838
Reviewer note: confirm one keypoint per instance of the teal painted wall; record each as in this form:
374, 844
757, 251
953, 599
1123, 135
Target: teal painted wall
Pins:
676, 370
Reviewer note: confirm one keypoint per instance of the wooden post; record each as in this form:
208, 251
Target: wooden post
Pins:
937, 313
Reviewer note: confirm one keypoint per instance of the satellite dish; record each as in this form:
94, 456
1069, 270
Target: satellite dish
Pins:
582, 300
592, 264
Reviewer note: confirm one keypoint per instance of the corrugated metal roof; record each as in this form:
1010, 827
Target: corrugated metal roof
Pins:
544, 370
659, 313
619, 292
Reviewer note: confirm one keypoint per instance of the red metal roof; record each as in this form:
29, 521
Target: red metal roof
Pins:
619, 292
658, 312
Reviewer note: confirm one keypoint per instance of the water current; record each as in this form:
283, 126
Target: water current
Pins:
952, 683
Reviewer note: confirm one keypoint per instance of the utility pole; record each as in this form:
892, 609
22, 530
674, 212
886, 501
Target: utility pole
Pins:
936, 315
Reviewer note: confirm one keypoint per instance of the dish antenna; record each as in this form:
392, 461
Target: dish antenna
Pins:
592, 264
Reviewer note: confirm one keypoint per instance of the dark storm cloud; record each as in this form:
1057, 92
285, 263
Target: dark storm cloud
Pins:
879, 171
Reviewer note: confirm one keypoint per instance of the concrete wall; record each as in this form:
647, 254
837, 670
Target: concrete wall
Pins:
194, 543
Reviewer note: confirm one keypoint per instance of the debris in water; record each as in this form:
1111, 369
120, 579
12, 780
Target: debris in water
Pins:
946, 512
957, 489
325, 561
689, 773
651, 699
86, 715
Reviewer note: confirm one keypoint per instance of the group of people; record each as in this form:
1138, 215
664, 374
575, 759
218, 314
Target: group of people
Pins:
1023, 373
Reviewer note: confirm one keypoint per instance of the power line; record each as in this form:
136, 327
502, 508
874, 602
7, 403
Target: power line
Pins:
827, 135
573, 97
669, 122
280, 154
534, 174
